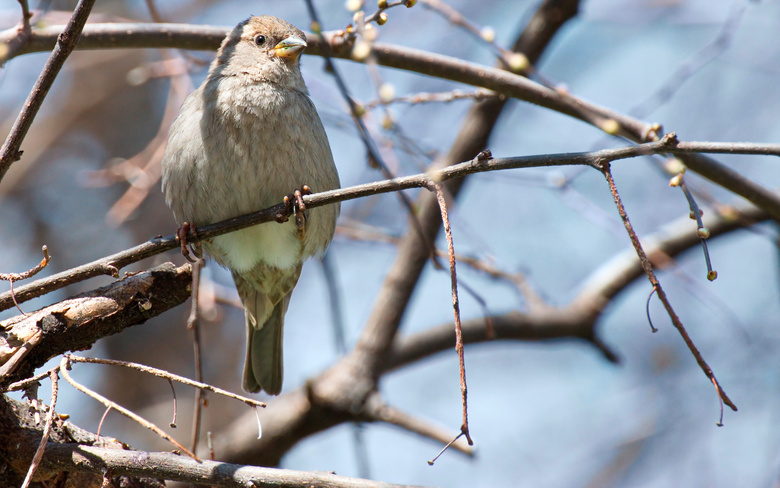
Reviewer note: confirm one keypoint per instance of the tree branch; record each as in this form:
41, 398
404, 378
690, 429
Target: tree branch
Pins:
77, 323
138, 35
66, 41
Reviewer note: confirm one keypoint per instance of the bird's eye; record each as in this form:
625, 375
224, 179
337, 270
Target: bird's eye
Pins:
259, 39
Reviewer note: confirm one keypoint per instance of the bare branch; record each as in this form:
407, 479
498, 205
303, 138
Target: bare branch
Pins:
76, 323
65, 366
46, 430
66, 41
181, 468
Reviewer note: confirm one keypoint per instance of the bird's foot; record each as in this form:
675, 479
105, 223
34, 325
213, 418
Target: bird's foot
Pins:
295, 205
186, 250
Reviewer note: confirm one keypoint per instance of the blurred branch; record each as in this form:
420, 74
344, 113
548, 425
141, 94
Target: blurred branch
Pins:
578, 319
378, 411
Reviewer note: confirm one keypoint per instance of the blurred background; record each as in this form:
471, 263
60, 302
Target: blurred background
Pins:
542, 414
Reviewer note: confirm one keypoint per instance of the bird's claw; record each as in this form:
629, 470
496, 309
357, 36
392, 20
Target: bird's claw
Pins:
181, 235
295, 205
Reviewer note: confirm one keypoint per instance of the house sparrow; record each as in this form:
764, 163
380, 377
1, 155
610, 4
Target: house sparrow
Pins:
246, 138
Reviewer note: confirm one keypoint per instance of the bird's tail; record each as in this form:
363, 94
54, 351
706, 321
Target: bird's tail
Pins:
265, 296
263, 366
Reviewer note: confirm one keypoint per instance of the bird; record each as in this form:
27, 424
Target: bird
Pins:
245, 139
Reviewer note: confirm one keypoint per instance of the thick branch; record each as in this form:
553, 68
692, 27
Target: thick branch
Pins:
169, 466
76, 451
77, 323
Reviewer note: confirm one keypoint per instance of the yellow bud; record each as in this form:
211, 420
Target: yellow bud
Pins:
676, 180
518, 62
361, 50
369, 33
381, 19
674, 166
410, 3
386, 92
610, 126
360, 110
712, 275
353, 5
703, 232
381, 4
488, 34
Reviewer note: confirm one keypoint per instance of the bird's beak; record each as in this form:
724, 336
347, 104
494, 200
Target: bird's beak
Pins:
290, 47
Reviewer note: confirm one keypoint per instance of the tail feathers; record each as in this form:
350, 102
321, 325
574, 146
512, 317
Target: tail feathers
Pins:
264, 330
265, 294
263, 366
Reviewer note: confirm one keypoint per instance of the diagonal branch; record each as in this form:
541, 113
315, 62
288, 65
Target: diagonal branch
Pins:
66, 40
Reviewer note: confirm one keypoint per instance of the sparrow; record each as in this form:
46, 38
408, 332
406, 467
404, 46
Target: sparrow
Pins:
244, 140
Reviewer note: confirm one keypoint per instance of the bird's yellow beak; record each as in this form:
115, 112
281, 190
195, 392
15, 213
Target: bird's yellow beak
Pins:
291, 47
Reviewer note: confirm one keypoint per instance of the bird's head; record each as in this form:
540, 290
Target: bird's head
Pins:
265, 47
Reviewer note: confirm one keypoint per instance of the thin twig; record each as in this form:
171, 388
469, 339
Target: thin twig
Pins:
46, 430
65, 364
111, 264
23, 384
647, 310
102, 419
378, 411
193, 324
456, 18
447, 446
702, 231
648, 268
436, 187
439, 97
26, 15
168, 376
30, 272
175, 405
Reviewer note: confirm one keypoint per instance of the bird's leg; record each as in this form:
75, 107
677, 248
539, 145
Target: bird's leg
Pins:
181, 235
294, 203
